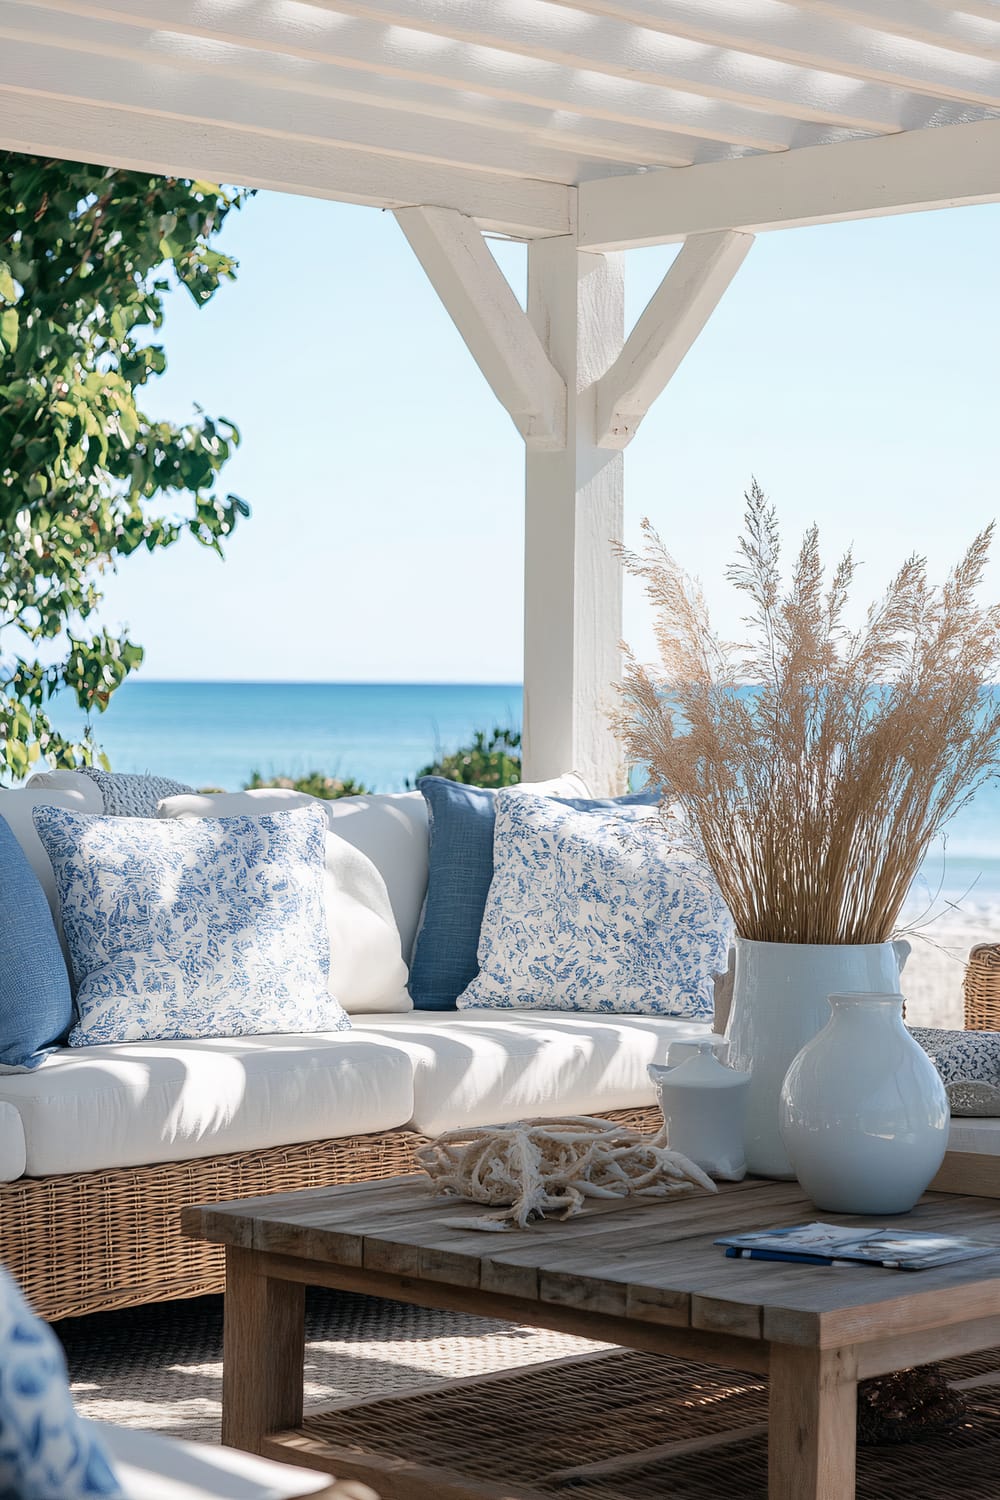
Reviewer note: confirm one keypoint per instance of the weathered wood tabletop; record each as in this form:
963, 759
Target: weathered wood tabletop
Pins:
642, 1274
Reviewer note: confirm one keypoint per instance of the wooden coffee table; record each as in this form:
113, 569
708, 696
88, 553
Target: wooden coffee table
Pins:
643, 1275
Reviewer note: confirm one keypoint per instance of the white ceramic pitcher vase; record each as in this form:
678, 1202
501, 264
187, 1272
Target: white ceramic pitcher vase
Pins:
780, 1002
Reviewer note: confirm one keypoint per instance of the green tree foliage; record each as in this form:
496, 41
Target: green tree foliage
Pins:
314, 782
491, 760
86, 477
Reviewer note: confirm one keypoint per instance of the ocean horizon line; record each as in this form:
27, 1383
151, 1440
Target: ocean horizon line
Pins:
320, 682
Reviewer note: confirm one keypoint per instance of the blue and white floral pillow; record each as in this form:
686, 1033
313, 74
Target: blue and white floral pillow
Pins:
46, 1451
595, 912
215, 927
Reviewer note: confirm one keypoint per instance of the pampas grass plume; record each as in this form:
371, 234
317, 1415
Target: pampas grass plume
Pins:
813, 764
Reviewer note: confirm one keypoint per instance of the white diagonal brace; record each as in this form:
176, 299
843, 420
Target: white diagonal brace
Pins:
671, 321
490, 319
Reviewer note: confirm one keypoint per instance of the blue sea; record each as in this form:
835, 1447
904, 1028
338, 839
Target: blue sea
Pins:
215, 734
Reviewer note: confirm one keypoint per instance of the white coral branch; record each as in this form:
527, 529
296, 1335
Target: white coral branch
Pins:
535, 1167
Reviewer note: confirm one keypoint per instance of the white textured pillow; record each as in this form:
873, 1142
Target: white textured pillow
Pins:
595, 912
213, 927
366, 968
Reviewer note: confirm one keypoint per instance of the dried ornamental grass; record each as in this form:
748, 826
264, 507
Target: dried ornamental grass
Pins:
813, 765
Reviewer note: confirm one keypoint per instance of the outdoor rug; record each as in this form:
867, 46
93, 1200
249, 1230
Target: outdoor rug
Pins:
160, 1366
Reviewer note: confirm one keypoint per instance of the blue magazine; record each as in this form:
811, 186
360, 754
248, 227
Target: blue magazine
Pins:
833, 1244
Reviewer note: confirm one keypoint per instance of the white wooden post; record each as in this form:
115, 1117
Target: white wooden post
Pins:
574, 510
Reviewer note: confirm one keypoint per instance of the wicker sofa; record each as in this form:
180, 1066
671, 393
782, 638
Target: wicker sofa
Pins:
102, 1147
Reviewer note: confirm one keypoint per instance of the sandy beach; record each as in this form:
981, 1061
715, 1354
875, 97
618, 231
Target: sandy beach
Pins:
932, 978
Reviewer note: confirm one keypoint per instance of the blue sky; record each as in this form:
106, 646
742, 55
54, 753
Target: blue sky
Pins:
853, 368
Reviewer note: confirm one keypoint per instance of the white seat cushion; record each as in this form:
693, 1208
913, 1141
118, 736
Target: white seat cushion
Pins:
487, 1067
153, 1467
129, 1103
13, 1153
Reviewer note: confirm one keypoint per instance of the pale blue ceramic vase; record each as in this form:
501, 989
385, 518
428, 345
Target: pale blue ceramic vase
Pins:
780, 1002
864, 1115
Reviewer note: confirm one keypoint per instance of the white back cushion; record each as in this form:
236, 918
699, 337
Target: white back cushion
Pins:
391, 828
72, 791
367, 972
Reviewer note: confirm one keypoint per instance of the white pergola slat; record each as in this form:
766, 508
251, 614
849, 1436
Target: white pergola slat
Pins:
862, 49
582, 126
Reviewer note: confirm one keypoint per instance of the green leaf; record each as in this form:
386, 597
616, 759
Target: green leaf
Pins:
9, 328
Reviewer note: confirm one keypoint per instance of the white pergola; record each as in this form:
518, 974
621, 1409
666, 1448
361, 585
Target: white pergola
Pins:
585, 127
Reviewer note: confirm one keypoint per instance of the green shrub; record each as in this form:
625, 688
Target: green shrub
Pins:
492, 762
314, 782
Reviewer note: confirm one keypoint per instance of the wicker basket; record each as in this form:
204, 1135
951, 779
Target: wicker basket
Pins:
982, 988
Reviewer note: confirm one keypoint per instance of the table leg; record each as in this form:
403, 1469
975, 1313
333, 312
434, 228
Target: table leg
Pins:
811, 1451
263, 1353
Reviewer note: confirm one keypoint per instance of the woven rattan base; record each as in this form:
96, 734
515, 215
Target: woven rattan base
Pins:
95, 1241
623, 1426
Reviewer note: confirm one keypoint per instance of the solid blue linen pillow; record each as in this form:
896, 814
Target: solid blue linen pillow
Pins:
461, 821
36, 1006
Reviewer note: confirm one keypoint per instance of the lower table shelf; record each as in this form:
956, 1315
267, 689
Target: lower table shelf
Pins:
621, 1426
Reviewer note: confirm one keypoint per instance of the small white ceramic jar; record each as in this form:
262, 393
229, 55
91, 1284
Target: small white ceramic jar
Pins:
704, 1107
679, 1052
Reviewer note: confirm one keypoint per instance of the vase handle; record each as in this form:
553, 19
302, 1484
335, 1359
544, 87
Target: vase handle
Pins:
902, 950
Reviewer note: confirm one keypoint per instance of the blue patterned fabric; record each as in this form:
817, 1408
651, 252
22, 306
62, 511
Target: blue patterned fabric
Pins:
36, 1007
209, 927
969, 1064
46, 1452
460, 868
595, 912
961, 1056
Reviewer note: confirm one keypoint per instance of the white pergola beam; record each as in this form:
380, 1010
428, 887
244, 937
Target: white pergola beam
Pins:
490, 319
948, 167
671, 321
118, 137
